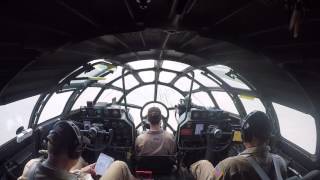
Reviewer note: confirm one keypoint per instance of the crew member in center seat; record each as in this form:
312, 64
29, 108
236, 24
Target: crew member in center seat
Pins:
156, 141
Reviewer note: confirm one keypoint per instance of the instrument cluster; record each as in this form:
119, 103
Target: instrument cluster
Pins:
110, 121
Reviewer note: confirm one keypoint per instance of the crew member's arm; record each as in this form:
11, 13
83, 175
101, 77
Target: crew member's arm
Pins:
27, 167
204, 170
137, 145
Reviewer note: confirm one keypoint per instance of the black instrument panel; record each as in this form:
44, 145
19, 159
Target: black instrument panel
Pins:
112, 120
194, 130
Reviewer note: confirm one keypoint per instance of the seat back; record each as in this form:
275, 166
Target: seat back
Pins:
312, 175
156, 164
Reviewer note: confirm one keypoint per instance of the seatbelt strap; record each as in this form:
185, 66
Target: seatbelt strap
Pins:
262, 174
160, 146
276, 166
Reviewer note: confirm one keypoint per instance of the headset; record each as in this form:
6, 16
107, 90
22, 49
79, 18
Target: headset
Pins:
75, 147
256, 124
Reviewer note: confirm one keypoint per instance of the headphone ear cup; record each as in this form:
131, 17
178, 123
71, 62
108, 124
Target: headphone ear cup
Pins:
246, 133
76, 148
51, 137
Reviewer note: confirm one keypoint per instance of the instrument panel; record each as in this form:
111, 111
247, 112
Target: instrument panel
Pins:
111, 121
194, 130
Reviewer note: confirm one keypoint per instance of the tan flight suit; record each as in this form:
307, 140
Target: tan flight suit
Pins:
118, 170
47, 173
238, 167
154, 143
150, 143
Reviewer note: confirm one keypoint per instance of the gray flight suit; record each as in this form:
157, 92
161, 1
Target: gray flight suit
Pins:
238, 167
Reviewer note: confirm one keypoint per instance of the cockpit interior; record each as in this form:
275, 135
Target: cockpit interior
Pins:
205, 64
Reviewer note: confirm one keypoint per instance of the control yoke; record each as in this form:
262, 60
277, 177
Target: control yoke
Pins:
96, 132
215, 137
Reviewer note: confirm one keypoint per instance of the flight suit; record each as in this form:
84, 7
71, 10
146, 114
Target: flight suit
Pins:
153, 143
118, 170
238, 167
41, 172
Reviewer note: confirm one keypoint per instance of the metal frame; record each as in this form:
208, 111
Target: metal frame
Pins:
127, 70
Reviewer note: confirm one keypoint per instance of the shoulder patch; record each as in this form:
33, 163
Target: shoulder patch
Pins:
218, 172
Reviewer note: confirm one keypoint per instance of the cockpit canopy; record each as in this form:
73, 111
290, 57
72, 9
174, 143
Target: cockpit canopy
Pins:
158, 83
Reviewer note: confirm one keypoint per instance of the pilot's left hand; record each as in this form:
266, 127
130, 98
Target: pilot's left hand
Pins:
90, 169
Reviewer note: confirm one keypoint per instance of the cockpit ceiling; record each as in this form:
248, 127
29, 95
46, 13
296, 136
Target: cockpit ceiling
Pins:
269, 80
42, 42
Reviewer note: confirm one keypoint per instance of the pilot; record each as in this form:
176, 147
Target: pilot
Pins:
65, 145
255, 162
156, 141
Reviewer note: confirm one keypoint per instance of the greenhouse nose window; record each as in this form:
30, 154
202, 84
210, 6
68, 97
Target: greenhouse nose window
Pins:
162, 84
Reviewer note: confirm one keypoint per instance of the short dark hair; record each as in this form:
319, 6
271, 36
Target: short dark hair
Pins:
257, 125
154, 115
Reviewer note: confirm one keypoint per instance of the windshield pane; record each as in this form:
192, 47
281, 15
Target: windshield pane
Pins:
202, 99
54, 106
135, 113
14, 115
297, 127
168, 96
108, 95
204, 80
225, 102
184, 84
147, 76
175, 66
166, 77
87, 95
141, 64
172, 120
130, 81
141, 95
251, 103
227, 75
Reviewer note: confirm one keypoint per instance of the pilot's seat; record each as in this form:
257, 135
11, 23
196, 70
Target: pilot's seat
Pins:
156, 165
312, 175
